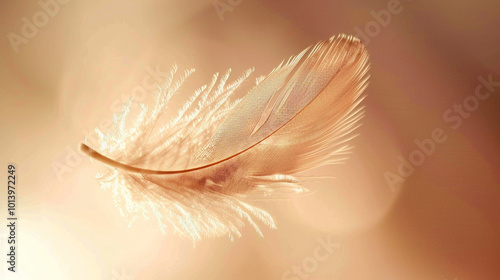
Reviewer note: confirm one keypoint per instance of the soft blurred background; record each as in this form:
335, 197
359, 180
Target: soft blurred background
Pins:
66, 75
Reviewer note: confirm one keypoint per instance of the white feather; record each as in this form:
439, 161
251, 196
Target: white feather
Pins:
195, 172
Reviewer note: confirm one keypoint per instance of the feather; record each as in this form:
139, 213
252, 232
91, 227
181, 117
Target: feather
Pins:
196, 172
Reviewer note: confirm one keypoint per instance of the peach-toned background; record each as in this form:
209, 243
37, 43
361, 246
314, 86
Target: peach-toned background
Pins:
443, 222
